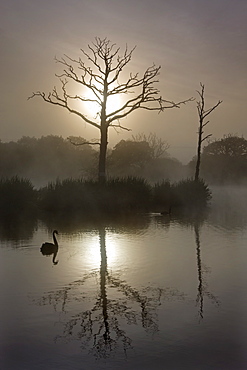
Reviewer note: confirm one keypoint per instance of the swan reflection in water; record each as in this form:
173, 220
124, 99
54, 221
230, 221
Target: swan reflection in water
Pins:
47, 249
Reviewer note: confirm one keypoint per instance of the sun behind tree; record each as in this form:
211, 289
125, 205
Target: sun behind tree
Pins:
92, 109
102, 80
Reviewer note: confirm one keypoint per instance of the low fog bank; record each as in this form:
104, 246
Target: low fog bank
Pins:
46, 159
228, 207
229, 197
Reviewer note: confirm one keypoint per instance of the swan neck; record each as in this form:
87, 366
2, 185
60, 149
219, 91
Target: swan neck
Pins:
54, 239
54, 258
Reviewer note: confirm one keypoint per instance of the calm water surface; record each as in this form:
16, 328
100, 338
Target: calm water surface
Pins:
150, 292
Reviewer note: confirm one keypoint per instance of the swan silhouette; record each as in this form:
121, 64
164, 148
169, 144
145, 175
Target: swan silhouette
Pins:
47, 249
167, 212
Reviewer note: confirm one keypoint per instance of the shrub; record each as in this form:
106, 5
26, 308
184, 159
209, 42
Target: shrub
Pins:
162, 195
191, 193
17, 196
185, 193
115, 195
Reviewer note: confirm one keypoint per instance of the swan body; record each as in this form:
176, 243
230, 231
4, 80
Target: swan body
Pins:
167, 212
47, 249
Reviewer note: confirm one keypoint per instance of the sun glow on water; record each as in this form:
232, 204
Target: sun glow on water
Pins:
93, 257
112, 248
93, 253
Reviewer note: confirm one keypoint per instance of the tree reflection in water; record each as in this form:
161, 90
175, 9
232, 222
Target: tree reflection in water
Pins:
202, 284
17, 227
102, 327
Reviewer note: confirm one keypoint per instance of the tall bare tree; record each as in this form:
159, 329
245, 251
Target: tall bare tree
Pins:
202, 114
102, 79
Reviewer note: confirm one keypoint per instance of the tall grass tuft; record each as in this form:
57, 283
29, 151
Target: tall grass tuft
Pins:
162, 195
191, 193
185, 193
114, 196
17, 196
89, 197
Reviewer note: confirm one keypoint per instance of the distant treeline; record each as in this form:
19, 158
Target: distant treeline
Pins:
224, 161
46, 159
51, 157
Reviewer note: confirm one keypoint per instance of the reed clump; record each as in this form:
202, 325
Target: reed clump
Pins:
114, 196
182, 194
17, 196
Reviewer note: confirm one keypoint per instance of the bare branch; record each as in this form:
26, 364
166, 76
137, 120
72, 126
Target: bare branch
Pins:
158, 146
102, 78
55, 99
206, 137
202, 114
84, 143
121, 127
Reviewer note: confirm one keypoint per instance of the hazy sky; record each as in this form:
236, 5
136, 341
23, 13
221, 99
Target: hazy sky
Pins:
193, 40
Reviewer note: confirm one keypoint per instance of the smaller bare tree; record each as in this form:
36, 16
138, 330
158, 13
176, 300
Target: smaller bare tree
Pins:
202, 113
158, 146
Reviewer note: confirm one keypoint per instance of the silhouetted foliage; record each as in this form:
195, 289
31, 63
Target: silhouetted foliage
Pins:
129, 158
164, 168
17, 196
224, 160
230, 146
45, 159
185, 193
89, 197
162, 195
113, 196
191, 193
48, 158
158, 147
145, 159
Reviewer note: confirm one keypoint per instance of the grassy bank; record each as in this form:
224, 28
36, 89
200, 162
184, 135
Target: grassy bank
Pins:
183, 194
115, 196
17, 197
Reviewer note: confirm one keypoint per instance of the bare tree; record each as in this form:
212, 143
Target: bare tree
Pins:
101, 79
202, 113
158, 146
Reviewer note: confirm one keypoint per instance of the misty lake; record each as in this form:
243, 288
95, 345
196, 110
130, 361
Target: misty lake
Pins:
144, 292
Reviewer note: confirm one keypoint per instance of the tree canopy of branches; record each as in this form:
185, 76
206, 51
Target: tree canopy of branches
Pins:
228, 146
129, 157
203, 113
102, 79
158, 146
145, 158
225, 160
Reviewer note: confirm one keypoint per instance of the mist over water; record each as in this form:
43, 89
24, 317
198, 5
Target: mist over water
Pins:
229, 206
128, 293
46, 159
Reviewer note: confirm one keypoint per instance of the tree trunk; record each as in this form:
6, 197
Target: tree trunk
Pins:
198, 162
102, 153
103, 131
203, 113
